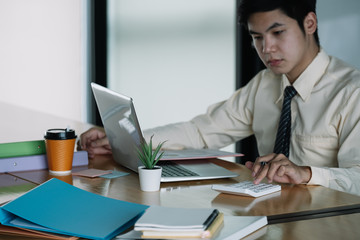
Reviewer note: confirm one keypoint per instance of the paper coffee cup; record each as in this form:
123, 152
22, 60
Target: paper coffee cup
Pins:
60, 145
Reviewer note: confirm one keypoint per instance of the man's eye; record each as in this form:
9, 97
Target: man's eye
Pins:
278, 32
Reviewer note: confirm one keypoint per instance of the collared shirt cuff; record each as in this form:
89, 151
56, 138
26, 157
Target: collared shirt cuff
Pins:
319, 176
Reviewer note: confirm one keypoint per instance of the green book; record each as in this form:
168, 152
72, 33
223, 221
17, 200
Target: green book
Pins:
19, 149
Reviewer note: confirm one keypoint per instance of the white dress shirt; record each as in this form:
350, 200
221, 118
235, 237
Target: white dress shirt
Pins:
325, 128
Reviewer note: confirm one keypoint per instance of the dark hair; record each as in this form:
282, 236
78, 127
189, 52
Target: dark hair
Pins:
296, 9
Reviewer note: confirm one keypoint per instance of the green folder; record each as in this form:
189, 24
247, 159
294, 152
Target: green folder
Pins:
19, 149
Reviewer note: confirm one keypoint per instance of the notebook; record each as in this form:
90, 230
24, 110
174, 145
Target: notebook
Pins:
123, 130
235, 227
169, 222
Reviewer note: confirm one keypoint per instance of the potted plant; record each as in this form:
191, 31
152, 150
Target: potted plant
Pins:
150, 173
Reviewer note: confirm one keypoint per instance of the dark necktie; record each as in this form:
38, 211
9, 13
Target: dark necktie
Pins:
282, 143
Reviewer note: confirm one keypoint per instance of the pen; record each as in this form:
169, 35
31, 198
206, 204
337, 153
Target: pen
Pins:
214, 227
211, 218
262, 165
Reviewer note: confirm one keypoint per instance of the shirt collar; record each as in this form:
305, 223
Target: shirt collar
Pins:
307, 80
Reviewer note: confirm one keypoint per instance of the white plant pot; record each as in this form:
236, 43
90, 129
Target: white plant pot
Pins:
149, 178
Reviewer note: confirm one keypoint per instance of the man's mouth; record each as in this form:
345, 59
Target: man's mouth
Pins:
274, 62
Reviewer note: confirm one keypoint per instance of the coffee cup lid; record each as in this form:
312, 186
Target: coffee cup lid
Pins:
60, 134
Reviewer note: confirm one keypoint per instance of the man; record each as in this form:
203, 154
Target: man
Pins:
322, 129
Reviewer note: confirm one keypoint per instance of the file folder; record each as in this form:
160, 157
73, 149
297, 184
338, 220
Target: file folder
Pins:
58, 207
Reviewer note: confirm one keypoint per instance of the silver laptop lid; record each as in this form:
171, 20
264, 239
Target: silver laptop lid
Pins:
123, 130
121, 125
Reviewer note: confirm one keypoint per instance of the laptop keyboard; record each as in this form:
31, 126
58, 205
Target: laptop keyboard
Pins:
171, 169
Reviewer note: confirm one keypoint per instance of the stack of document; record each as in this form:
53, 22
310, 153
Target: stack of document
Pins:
60, 208
164, 222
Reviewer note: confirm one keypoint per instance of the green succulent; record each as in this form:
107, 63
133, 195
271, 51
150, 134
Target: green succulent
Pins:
147, 155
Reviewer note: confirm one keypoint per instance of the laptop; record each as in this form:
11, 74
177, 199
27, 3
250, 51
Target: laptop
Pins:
124, 133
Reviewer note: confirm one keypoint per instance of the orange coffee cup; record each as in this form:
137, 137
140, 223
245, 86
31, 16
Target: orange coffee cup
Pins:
60, 145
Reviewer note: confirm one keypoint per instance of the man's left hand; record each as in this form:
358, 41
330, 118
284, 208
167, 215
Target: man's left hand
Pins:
278, 168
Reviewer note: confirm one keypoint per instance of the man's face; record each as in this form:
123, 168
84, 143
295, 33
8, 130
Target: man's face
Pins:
280, 43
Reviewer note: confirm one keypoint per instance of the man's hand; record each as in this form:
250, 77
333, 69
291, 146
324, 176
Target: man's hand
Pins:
94, 141
278, 168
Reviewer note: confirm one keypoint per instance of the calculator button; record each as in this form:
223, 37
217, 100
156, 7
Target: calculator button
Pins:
248, 188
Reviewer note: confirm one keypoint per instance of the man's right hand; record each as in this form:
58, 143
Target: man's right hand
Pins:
94, 141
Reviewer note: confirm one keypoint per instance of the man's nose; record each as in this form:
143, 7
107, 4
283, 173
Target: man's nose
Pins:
268, 45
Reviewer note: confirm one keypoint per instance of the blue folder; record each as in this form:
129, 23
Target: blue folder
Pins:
58, 207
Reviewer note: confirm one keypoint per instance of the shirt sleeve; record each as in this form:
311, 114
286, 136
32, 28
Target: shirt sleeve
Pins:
177, 136
347, 176
342, 179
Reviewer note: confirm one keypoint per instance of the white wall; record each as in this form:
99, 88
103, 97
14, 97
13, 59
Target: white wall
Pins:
174, 58
339, 29
41, 65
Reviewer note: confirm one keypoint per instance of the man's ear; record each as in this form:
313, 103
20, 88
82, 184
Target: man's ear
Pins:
310, 23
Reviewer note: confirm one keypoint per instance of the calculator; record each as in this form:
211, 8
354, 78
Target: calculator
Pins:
248, 188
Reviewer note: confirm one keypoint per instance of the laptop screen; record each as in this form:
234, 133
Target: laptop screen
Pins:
121, 125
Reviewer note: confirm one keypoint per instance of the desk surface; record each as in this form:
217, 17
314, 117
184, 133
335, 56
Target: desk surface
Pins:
294, 202
335, 227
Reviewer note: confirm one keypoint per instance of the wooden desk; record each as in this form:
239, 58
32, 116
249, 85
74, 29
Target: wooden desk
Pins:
294, 202
335, 227
12, 187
